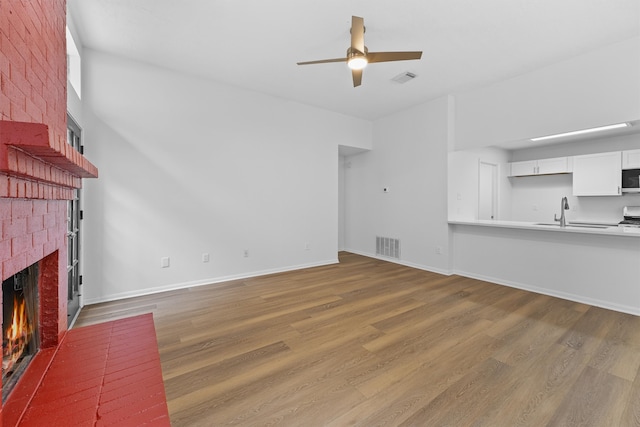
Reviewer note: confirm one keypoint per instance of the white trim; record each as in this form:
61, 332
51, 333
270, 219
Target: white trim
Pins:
564, 295
73, 321
203, 282
401, 262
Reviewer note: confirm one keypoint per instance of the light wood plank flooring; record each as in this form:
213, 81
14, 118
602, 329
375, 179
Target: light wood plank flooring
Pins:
371, 343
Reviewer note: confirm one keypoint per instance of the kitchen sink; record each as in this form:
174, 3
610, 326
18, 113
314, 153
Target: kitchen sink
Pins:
551, 224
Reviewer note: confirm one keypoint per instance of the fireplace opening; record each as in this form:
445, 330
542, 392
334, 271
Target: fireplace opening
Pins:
21, 339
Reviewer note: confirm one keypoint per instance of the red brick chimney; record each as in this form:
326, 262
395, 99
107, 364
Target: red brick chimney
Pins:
39, 170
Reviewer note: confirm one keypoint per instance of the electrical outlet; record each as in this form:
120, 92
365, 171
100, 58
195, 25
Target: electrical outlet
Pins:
164, 262
307, 247
205, 257
439, 250
246, 253
386, 190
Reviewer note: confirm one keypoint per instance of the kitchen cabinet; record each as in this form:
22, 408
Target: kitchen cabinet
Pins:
541, 167
523, 168
631, 159
597, 174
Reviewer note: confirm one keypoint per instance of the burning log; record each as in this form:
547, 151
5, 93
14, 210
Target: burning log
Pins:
16, 336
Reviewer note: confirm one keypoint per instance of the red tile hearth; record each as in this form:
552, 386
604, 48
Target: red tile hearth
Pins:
102, 375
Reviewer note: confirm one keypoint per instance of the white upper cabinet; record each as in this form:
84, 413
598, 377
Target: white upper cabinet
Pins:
541, 167
631, 159
556, 165
523, 168
597, 174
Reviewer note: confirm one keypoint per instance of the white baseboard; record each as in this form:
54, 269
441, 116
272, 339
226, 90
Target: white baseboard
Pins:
401, 262
564, 295
203, 282
567, 296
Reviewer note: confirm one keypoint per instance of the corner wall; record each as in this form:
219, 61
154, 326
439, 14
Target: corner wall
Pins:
191, 167
409, 156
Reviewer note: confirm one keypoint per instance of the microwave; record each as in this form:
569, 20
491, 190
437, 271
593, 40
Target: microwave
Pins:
631, 181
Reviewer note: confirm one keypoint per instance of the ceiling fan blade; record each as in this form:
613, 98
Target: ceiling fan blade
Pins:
357, 77
392, 56
323, 61
357, 33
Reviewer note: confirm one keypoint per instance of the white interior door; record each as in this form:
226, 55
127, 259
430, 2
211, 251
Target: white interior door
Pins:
487, 190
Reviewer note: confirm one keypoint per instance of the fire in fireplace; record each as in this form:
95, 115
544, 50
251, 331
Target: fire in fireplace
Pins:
20, 341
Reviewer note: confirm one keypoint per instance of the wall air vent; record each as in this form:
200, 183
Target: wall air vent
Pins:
404, 77
386, 246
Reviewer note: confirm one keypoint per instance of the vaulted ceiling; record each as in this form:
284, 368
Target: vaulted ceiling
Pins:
255, 44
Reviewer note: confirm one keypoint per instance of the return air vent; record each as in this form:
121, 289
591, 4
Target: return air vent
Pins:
386, 246
404, 77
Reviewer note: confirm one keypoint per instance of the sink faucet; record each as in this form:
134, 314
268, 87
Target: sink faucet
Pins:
564, 205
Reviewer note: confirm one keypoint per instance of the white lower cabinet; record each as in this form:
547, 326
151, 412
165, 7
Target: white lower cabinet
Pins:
597, 174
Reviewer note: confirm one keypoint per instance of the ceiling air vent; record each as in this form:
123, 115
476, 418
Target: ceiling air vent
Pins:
404, 77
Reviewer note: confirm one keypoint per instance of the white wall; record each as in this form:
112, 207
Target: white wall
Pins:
463, 173
409, 156
598, 88
537, 199
189, 166
342, 164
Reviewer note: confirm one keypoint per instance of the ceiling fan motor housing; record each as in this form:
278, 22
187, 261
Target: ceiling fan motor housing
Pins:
352, 53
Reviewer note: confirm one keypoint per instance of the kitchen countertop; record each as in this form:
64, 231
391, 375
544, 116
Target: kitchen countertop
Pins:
572, 227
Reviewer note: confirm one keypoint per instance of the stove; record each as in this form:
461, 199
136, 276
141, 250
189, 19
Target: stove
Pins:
631, 216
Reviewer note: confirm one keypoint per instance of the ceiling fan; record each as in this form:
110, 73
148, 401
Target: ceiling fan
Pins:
358, 56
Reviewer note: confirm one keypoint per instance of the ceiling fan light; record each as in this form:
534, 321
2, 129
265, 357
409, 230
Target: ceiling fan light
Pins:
357, 62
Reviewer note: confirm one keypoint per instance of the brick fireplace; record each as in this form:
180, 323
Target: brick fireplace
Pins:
39, 170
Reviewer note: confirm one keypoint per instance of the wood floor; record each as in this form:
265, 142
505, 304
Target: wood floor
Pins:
370, 343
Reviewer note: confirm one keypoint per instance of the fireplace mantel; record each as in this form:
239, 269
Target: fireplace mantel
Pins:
28, 151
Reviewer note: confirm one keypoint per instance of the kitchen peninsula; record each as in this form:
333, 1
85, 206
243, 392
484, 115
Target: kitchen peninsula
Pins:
507, 235
573, 227
600, 267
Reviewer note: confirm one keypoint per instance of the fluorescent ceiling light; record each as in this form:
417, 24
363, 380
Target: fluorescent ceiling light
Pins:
581, 132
